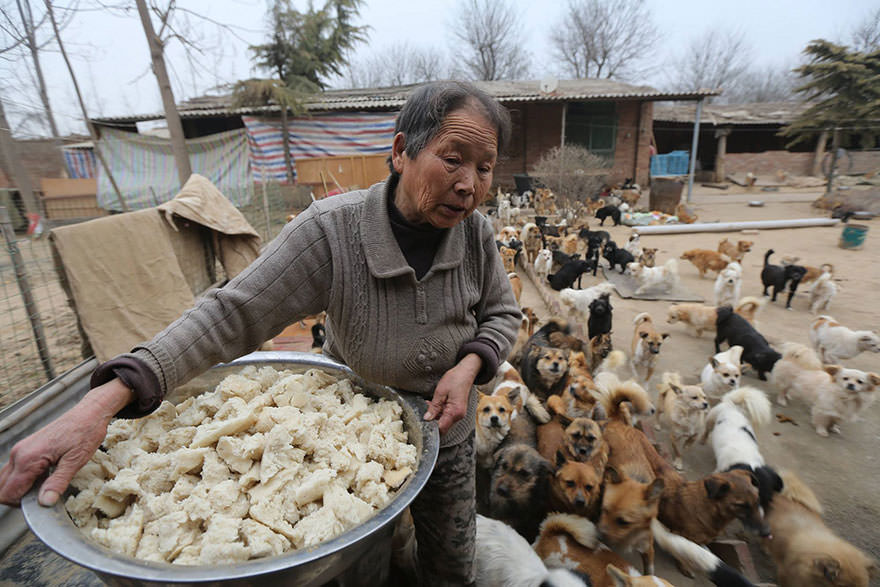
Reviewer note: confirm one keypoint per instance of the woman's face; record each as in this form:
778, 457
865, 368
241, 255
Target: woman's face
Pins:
452, 175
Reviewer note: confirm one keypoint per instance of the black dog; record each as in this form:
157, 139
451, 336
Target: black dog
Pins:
776, 276
566, 275
617, 256
600, 316
589, 235
560, 258
606, 211
319, 335
736, 330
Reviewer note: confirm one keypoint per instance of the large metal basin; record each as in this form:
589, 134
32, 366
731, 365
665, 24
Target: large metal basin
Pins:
349, 554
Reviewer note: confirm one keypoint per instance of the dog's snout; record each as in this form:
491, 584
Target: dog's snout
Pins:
494, 420
503, 490
579, 501
705, 405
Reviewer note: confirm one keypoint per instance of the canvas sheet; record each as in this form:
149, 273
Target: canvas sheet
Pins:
626, 285
144, 169
320, 135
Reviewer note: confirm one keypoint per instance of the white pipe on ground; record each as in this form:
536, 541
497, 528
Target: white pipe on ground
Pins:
735, 226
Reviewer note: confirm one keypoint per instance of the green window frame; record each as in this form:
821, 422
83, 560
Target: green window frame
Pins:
592, 125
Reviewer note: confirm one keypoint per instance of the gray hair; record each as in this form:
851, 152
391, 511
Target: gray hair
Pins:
428, 106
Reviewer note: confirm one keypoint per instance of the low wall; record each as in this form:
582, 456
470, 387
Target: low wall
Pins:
769, 162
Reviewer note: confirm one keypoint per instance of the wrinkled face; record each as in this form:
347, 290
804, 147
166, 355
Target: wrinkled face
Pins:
577, 485
452, 175
494, 412
552, 364
519, 470
582, 437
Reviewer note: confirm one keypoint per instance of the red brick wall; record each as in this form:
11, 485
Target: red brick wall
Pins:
538, 128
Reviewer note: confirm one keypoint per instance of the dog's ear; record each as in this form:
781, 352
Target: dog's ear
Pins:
832, 370
714, 362
664, 336
676, 389
654, 490
716, 488
560, 458
829, 567
618, 577
613, 476
736, 352
513, 395
873, 568
643, 334
874, 379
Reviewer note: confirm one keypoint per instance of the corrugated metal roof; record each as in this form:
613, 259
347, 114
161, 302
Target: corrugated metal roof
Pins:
731, 114
393, 98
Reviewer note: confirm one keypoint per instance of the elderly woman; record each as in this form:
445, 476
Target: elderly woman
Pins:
415, 295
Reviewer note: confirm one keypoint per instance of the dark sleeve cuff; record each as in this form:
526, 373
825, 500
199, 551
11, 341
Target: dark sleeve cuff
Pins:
138, 377
488, 352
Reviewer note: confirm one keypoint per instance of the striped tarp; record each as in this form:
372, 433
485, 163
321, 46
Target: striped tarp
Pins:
320, 135
144, 169
80, 163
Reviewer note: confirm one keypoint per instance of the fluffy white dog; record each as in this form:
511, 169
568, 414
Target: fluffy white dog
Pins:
543, 263
728, 285
722, 373
505, 559
822, 292
730, 426
662, 278
579, 300
834, 342
634, 246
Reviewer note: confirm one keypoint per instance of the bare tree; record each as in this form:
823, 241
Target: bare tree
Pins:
762, 84
492, 40
866, 36
604, 38
29, 28
715, 59
397, 65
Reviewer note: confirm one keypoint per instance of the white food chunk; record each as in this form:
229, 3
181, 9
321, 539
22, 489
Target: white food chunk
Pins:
315, 528
208, 434
312, 487
261, 540
123, 533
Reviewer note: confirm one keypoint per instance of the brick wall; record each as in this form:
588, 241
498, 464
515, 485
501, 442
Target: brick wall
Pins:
41, 158
632, 150
769, 162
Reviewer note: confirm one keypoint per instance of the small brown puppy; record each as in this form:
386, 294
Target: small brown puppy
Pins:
508, 256
493, 424
805, 550
705, 260
737, 251
699, 317
645, 346
577, 400
648, 258
518, 492
575, 488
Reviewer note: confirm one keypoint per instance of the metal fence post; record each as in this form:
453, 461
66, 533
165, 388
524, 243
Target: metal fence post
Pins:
30, 305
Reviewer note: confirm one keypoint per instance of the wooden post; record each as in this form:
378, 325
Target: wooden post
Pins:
30, 305
819, 153
720, 170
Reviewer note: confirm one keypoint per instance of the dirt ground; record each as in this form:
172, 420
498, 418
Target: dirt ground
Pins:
842, 469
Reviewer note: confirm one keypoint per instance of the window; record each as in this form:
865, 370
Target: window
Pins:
592, 125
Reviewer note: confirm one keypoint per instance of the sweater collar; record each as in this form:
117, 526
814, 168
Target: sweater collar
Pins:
383, 254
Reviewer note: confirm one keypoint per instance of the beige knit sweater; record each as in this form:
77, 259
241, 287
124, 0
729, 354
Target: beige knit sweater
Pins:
340, 255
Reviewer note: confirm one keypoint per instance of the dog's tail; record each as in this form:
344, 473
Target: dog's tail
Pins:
801, 355
536, 409
555, 324
767, 257
581, 530
614, 393
643, 317
695, 557
750, 304
796, 490
753, 403
613, 361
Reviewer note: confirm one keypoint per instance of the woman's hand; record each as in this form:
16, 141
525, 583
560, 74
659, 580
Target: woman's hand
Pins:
66, 443
450, 400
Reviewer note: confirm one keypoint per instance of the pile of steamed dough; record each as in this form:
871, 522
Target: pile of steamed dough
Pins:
266, 462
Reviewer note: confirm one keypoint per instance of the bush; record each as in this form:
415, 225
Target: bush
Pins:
572, 172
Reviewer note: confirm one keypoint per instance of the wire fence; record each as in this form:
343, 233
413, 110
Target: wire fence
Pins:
39, 334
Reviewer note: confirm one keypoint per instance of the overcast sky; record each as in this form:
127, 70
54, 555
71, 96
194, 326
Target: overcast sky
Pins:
112, 61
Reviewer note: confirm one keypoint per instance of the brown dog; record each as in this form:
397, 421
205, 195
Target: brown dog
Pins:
648, 258
493, 424
600, 347
737, 251
518, 492
699, 317
530, 235
805, 550
705, 260
645, 346
515, 285
575, 488
508, 256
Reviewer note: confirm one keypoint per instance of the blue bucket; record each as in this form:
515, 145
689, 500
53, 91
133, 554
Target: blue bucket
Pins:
853, 236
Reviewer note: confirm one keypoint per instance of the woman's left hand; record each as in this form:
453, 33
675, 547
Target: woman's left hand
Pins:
450, 401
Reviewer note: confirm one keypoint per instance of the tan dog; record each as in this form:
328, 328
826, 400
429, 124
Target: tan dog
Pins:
515, 285
648, 258
699, 317
575, 488
631, 197
600, 347
705, 260
506, 234
544, 369
735, 252
805, 550
530, 235
645, 346
508, 258
685, 214
570, 244
493, 424
682, 410
813, 273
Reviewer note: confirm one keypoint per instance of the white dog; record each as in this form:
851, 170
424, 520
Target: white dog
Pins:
722, 373
661, 279
822, 292
579, 300
833, 342
730, 426
728, 285
633, 246
505, 559
543, 263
